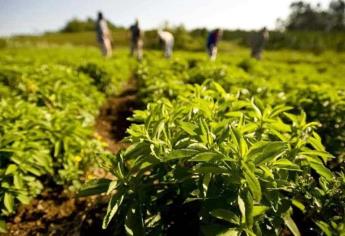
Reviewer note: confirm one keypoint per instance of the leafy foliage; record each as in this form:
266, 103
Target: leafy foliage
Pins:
47, 113
226, 147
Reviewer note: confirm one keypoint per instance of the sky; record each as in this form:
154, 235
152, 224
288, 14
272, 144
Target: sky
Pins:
38, 16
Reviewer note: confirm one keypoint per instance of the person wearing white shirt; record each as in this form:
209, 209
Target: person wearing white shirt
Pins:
103, 35
167, 39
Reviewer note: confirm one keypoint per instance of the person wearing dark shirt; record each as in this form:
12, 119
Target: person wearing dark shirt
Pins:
258, 43
136, 40
212, 42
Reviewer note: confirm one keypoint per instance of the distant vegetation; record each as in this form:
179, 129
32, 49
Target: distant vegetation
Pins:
306, 17
308, 27
76, 25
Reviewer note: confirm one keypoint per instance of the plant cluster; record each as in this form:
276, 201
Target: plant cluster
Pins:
228, 149
47, 114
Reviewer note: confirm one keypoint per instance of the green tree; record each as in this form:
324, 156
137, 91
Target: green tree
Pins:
307, 17
77, 25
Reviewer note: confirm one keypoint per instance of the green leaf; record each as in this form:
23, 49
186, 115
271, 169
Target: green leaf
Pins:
3, 226
134, 224
11, 168
135, 150
252, 181
316, 143
18, 181
206, 157
324, 227
93, 187
299, 205
249, 210
238, 105
188, 127
203, 134
263, 152
152, 221
33, 170
219, 89
224, 134
112, 186
242, 207
256, 108
291, 224
248, 128
205, 182
249, 232
57, 148
267, 171
291, 117
158, 128
181, 153
322, 170
23, 198
285, 164
113, 206
323, 154
9, 202
278, 126
210, 169
257, 229
226, 215
278, 134
318, 166
234, 114
198, 146
240, 142
259, 210
279, 109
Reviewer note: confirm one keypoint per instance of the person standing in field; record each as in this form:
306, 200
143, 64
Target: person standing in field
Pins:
258, 43
103, 35
136, 40
166, 39
212, 42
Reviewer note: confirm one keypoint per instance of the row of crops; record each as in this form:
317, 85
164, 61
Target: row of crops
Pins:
49, 101
236, 147
232, 148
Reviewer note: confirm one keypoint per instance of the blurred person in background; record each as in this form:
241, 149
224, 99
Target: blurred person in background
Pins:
258, 43
212, 42
166, 40
103, 35
136, 40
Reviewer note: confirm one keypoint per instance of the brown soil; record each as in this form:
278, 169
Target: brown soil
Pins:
112, 122
57, 211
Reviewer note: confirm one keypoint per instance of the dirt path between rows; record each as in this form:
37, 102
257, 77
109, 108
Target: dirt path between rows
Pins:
56, 211
112, 122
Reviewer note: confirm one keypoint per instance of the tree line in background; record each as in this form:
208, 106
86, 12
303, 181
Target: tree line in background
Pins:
306, 17
308, 27
77, 25
303, 16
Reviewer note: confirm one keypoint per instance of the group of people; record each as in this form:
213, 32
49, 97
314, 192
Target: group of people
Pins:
166, 40
258, 42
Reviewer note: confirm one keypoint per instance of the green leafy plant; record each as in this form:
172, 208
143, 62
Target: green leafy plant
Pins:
236, 160
47, 114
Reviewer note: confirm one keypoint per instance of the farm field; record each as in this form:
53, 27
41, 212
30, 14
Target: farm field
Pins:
168, 147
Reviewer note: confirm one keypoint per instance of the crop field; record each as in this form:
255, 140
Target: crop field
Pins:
185, 146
